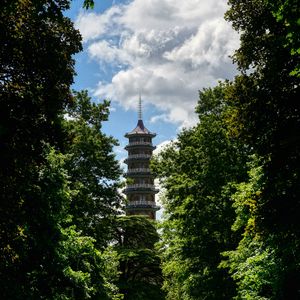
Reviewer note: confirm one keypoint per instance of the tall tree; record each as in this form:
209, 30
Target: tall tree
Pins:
195, 172
266, 99
134, 241
58, 176
93, 169
93, 180
37, 44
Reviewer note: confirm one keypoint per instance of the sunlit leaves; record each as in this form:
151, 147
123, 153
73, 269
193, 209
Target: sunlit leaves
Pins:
194, 173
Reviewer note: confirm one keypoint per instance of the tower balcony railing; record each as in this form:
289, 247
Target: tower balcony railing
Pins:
142, 204
136, 188
138, 170
139, 143
141, 185
139, 156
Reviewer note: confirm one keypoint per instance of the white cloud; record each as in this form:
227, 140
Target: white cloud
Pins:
104, 51
157, 118
167, 49
122, 165
209, 47
162, 146
92, 25
112, 109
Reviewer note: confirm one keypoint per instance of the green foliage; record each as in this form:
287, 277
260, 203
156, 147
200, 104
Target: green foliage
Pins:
287, 13
93, 175
265, 97
226, 234
88, 273
254, 267
83, 265
111, 273
195, 172
88, 4
50, 196
255, 262
247, 196
36, 67
57, 176
92, 167
139, 264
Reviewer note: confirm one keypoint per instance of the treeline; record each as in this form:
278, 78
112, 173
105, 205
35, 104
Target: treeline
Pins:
232, 182
61, 233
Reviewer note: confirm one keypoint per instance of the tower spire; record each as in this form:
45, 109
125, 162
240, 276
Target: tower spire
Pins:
140, 106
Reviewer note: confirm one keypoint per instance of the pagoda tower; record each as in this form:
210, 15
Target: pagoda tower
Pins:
140, 190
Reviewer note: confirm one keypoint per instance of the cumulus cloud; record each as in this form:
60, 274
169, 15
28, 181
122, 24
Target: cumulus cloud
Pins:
104, 51
92, 25
167, 49
162, 146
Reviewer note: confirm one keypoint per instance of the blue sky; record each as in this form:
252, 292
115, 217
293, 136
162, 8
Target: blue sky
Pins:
167, 50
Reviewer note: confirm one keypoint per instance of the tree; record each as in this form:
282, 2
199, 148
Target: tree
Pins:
196, 171
134, 241
93, 169
266, 99
37, 44
254, 263
93, 178
46, 250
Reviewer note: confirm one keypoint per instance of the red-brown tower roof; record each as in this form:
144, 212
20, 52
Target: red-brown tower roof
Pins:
140, 129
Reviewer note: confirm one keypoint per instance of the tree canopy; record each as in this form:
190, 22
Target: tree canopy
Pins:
230, 183
134, 239
51, 141
196, 171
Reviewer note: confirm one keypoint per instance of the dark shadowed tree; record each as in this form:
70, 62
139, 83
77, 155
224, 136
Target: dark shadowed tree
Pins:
268, 116
36, 71
55, 174
139, 264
